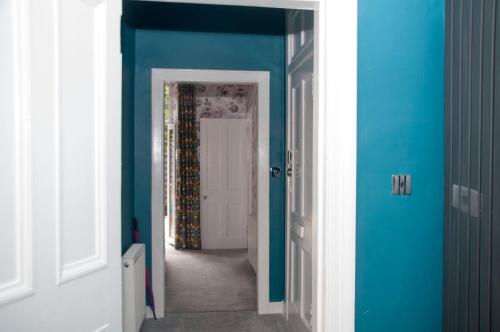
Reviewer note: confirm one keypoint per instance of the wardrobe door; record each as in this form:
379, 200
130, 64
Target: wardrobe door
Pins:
472, 174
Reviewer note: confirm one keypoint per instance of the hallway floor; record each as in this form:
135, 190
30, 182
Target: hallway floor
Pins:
209, 280
231, 321
211, 291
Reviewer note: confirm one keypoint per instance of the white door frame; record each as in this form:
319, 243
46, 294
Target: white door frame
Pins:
262, 79
171, 215
335, 93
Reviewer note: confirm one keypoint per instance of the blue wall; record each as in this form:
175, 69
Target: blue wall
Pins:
400, 130
210, 37
128, 77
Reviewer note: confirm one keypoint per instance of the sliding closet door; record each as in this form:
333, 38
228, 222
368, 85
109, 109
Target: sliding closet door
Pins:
472, 183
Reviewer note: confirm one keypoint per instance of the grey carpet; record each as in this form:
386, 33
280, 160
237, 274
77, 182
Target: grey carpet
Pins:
236, 321
209, 280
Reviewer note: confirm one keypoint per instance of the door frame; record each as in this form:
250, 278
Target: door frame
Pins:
262, 79
335, 142
169, 239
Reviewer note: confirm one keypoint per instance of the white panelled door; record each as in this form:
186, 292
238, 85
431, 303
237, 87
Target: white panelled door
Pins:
224, 164
299, 169
60, 120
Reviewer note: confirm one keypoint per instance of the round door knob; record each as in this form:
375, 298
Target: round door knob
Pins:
205, 197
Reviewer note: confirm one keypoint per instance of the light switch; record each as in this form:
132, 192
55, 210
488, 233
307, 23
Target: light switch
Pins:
401, 184
395, 184
407, 184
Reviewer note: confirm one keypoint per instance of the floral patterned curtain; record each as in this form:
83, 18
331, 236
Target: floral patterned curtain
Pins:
187, 230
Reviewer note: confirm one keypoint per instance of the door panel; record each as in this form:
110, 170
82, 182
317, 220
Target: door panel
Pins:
224, 168
299, 163
80, 127
15, 144
60, 105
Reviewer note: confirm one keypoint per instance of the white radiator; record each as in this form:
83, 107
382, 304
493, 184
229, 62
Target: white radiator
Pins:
134, 287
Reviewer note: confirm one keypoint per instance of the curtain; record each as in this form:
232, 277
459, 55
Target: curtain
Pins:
187, 230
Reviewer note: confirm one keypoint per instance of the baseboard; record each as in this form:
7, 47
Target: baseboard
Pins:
272, 308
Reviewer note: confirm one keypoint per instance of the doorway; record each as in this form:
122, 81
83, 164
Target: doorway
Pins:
255, 229
210, 157
341, 132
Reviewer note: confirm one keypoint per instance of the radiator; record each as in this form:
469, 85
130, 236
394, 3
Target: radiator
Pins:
134, 287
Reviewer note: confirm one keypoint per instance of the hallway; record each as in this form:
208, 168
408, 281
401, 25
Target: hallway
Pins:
209, 280
211, 290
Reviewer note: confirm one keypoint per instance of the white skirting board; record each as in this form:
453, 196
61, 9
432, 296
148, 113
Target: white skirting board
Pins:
274, 308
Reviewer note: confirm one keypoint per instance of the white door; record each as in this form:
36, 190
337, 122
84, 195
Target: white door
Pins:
224, 167
60, 121
299, 170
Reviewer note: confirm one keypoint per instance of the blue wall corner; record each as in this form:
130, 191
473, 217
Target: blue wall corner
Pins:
399, 246
221, 37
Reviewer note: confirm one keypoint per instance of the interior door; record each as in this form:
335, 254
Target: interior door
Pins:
299, 169
224, 167
60, 129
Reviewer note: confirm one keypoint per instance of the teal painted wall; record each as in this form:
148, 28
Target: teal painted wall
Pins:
128, 78
399, 247
209, 37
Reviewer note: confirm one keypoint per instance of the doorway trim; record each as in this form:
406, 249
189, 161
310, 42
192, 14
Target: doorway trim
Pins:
262, 79
335, 91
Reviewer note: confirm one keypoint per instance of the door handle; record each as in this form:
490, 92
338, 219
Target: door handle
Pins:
289, 171
205, 197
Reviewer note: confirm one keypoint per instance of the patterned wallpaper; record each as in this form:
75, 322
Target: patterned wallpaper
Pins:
226, 101
221, 101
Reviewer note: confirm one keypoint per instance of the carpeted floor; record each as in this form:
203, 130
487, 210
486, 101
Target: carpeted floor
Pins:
211, 291
235, 321
208, 281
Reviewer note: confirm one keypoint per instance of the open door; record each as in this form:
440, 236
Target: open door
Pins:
300, 169
60, 136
